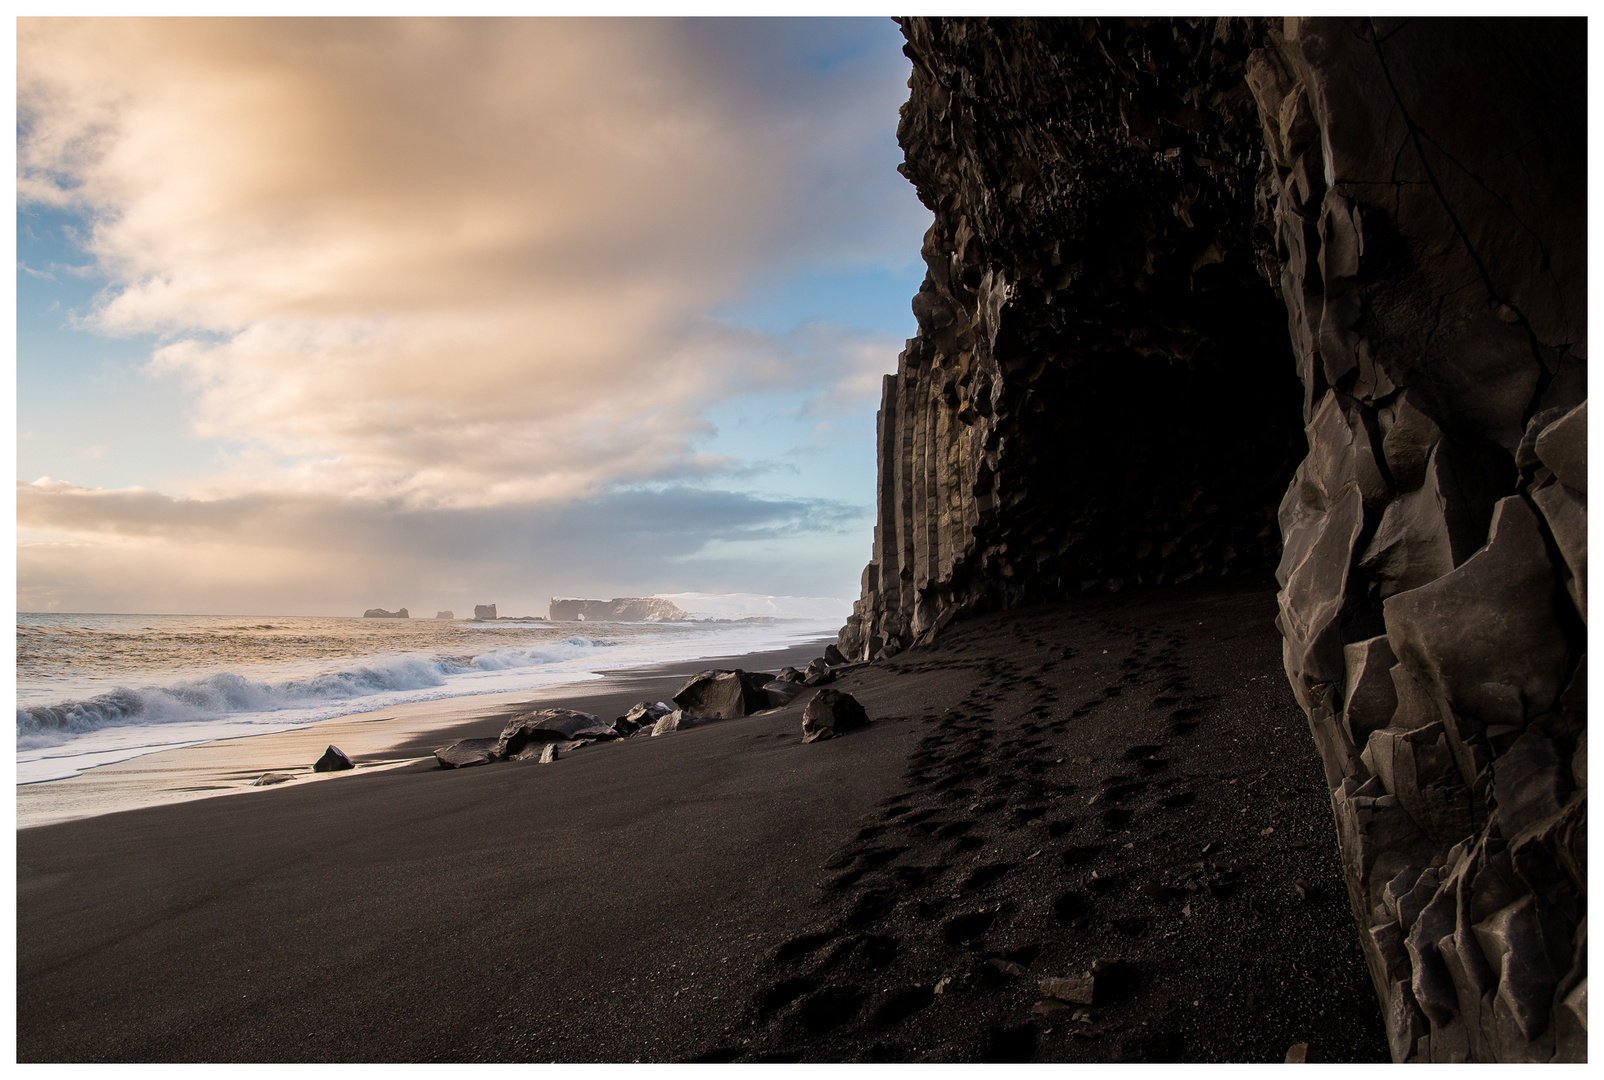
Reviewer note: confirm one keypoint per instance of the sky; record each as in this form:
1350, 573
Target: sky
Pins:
321, 315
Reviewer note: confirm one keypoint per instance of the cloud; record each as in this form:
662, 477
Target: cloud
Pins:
464, 263
135, 549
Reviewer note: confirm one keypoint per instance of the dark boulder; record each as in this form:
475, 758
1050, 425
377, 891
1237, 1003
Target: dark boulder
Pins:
550, 726
466, 752
790, 674
333, 760
830, 713
818, 674
832, 656
641, 714
680, 720
723, 694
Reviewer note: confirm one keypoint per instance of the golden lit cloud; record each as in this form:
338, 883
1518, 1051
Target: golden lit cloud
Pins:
453, 263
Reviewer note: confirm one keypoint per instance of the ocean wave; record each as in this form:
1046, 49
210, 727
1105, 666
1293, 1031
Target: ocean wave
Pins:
230, 694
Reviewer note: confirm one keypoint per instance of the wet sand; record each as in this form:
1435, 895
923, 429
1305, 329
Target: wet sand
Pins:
1024, 804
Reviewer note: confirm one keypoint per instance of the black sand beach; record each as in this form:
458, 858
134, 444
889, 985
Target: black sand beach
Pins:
1125, 779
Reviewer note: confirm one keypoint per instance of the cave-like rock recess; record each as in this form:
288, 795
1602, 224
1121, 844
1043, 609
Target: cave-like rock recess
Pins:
1216, 296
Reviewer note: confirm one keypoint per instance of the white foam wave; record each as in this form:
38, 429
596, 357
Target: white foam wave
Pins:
109, 722
228, 693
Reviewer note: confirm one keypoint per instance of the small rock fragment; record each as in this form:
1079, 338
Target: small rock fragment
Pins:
268, 779
333, 760
548, 754
1077, 991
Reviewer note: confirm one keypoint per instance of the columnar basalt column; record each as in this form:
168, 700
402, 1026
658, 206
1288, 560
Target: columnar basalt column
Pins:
1148, 233
1429, 189
1100, 394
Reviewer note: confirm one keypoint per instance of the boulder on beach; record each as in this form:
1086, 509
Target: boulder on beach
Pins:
832, 656
465, 752
333, 760
550, 726
724, 694
818, 674
680, 720
790, 674
829, 713
641, 714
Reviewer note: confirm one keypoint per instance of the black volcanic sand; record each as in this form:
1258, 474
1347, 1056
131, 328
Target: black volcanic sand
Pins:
1124, 779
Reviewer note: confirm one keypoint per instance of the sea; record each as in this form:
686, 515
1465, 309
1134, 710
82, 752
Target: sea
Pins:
96, 689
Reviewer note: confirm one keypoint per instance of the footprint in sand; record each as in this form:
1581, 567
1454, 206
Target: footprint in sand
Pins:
967, 927
901, 1003
1183, 721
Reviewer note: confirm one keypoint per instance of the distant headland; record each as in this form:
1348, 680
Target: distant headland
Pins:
618, 609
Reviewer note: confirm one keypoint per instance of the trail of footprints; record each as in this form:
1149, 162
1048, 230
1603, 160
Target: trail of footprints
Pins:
908, 902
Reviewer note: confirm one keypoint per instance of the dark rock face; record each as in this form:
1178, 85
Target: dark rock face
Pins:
1427, 178
727, 695
641, 714
550, 726
465, 753
618, 609
829, 713
1101, 395
333, 760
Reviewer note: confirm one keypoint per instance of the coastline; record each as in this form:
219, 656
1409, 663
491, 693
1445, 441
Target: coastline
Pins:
376, 740
1122, 784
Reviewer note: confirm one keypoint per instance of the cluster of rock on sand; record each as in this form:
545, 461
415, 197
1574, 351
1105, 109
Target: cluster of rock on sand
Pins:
333, 760
545, 734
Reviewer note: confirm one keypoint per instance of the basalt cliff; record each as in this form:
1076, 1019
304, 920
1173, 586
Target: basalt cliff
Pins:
1222, 296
